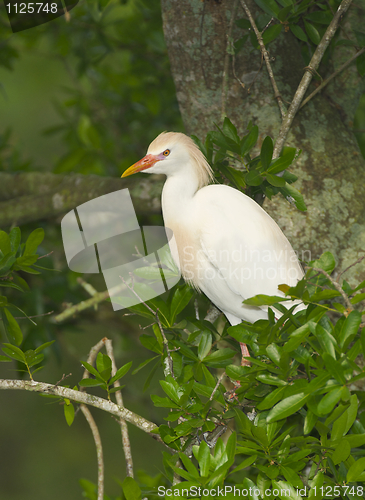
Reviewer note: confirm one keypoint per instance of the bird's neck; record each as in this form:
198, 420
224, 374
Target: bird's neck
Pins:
178, 194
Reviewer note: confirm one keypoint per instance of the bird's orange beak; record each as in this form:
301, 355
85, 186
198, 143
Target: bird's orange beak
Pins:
146, 162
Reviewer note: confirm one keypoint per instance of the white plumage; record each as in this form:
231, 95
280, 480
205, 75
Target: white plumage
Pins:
224, 243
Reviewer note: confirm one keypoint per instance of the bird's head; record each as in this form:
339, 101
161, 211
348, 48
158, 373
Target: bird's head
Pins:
171, 153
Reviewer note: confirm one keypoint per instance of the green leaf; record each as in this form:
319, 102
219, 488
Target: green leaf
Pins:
5, 245
264, 300
342, 452
14, 352
329, 401
349, 328
269, 6
287, 407
283, 162
131, 489
334, 368
357, 298
274, 180
170, 389
325, 295
15, 237
267, 149
283, 14
90, 382
92, 370
104, 366
69, 412
312, 33
297, 337
253, 178
272, 398
250, 140
325, 262
34, 240
203, 458
271, 33
180, 300
246, 463
205, 345
122, 371
316, 484
289, 190
43, 346
11, 326
219, 358
298, 32
342, 425
230, 130
355, 470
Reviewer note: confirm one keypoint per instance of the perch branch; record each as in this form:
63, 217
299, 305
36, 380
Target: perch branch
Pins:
331, 77
123, 424
85, 398
307, 77
85, 304
266, 56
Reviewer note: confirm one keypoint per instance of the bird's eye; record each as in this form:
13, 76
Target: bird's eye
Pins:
166, 152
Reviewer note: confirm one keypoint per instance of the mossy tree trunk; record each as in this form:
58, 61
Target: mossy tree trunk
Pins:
331, 169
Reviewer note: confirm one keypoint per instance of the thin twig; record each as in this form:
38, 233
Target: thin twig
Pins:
216, 387
86, 286
212, 314
85, 304
196, 307
31, 317
334, 74
360, 259
47, 255
123, 424
266, 57
307, 77
335, 284
90, 420
226, 59
99, 448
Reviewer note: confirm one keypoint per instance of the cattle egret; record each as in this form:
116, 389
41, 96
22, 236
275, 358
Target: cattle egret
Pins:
224, 243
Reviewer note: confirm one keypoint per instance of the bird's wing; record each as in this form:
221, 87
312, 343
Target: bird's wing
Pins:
244, 243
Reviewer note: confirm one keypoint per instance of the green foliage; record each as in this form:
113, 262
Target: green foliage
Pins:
121, 93
306, 425
256, 176
102, 374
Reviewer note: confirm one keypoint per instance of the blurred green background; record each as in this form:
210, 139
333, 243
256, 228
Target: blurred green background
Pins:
84, 96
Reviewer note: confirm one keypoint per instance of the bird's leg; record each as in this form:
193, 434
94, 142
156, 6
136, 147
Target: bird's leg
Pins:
245, 353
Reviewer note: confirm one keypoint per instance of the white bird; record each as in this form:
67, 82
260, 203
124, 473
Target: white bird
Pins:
224, 243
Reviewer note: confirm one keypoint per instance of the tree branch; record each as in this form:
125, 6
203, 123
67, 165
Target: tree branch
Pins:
123, 424
28, 197
99, 448
266, 56
85, 398
334, 74
307, 77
